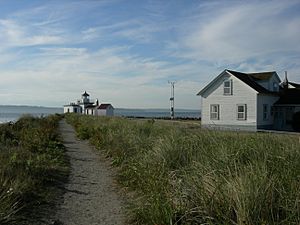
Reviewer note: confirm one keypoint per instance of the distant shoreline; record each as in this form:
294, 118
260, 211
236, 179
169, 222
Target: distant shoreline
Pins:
11, 113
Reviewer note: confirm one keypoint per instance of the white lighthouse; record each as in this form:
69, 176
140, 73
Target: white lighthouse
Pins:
85, 98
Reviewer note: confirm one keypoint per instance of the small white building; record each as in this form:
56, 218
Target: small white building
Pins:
72, 108
249, 101
90, 110
105, 110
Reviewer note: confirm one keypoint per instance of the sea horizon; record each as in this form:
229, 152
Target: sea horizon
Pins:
119, 108
14, 112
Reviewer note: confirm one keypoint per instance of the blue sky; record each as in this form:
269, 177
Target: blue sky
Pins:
125, 51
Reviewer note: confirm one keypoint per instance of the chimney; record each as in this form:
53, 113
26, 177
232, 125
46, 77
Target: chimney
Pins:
285, 82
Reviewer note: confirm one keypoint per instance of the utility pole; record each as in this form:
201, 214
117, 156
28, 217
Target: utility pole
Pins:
172, 114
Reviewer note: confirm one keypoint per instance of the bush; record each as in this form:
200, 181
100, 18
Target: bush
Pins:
32, 162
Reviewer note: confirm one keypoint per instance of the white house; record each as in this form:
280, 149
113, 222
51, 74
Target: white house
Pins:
105, 110
248, 101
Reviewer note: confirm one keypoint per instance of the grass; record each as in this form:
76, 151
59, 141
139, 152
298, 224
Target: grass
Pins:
32, 164
180, 174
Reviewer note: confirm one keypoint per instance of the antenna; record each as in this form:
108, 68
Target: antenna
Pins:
172, 114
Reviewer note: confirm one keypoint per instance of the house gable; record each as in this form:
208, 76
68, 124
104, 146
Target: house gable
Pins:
268, 80
258, 81
207, 88
227, 75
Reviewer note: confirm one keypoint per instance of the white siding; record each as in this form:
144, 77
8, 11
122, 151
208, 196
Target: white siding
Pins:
72, 109
242, 94
68, 109
101, 112
90, 111
110, 111
105, 112
261, 100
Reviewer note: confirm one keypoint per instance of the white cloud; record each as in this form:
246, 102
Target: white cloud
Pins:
242, 31
13, 34
109, 74
107, 55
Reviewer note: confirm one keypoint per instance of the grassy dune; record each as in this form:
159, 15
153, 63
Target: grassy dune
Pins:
32, 162
183, 175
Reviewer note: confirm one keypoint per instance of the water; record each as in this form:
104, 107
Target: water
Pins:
13, 113
157, 113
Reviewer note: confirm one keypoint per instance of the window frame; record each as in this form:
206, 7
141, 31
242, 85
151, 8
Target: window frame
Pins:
216, 114
275, 86
229, 88
244, 112
265, 112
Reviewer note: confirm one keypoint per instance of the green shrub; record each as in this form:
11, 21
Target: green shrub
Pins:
32, 162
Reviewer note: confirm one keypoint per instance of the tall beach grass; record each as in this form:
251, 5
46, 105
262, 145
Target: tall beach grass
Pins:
183, 175
32, 163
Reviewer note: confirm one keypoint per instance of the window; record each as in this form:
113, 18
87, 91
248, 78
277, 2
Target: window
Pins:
275, 86
228, 87
265, 111
214, 112
272, 110
242, 112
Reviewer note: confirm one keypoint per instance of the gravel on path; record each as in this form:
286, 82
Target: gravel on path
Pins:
91, 197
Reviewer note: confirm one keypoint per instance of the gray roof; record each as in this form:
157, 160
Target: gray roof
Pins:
90, 106
295, 85
248, 78
290, 96
104, 106
73, 105
85, 94
251, 78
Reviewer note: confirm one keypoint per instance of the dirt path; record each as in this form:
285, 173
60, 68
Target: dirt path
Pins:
91, 196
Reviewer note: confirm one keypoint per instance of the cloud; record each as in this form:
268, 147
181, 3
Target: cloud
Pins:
14, 34
110, 74
138, 30
237, 32
125, 53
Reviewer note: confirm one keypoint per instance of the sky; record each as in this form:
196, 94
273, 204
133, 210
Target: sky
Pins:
125, 51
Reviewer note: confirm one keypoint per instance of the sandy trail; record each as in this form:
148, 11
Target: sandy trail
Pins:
91, 196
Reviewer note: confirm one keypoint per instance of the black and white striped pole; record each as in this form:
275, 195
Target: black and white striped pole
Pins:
172, 111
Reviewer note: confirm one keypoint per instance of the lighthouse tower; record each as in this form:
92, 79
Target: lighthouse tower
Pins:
85, 101
85, 98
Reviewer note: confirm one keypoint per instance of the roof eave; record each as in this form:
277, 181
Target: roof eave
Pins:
200, 93
266, 91
290, 104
